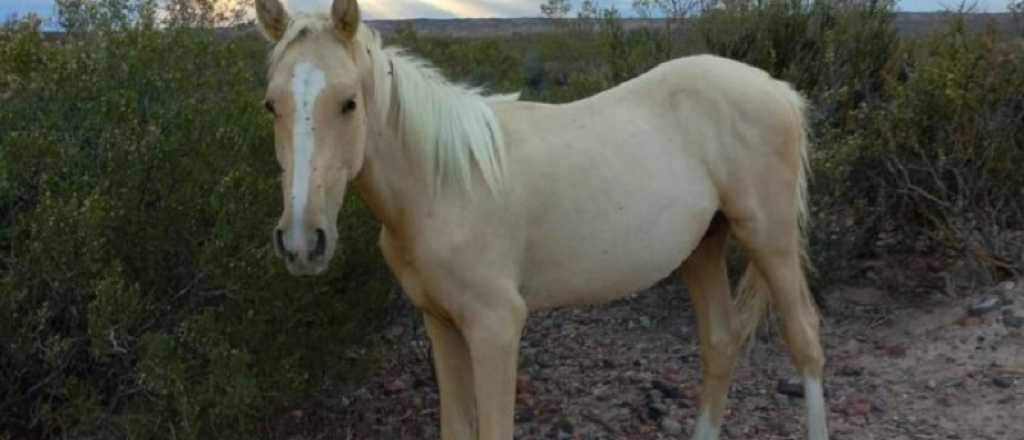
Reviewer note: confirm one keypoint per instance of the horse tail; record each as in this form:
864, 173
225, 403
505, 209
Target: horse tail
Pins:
753, 300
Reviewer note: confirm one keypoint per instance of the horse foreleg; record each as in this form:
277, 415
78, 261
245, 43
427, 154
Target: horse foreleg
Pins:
708, 282
454, 379
452, 363
493, 335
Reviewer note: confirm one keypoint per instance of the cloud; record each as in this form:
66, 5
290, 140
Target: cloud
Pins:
373, 9
377, 9
397, 9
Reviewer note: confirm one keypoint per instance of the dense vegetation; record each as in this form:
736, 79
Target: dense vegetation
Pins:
139, 297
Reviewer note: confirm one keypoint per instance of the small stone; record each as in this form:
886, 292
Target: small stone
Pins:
851, 371
896, 350
932, 384
525, 400
970, 321
395, 331
523, 383
1007, 286
865, 296
656, 411
544, 361
674, 377
879, 406
858, 407
1002, 382
525, 414
671, 427
395, 386
986, 304
1013, 318
782, 400
793, 387
670, 392
564, 429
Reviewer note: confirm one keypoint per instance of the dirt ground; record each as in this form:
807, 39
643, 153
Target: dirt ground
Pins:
923, 367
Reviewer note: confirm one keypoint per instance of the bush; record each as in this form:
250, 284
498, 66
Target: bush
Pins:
937, 157
486, 62
138, 187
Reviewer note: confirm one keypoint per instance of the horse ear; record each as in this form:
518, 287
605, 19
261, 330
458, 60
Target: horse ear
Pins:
272, 18
345, 16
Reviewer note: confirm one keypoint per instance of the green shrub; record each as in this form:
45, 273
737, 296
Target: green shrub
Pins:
832, 51
938, 155
138, 187
486, 62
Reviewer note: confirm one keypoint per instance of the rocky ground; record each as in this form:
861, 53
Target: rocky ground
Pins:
937, 365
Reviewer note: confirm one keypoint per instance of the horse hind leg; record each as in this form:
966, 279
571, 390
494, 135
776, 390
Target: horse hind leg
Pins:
775, 248
708, 282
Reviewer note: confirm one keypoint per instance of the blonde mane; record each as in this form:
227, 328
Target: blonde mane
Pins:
452, 124
447, 125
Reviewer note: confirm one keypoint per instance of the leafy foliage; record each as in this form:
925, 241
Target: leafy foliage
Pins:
937, 155
137, 190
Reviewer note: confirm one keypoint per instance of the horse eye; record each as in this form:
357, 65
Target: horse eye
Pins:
270, 107
349, 105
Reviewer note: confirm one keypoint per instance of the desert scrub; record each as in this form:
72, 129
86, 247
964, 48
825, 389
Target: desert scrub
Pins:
139, 291
935, 154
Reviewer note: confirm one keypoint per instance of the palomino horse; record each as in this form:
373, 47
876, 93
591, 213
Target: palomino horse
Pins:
492, 208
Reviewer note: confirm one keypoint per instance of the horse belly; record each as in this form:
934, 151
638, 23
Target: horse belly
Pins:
611, 250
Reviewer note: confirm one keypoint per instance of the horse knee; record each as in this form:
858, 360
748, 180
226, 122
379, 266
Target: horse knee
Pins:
499, 329
719, 356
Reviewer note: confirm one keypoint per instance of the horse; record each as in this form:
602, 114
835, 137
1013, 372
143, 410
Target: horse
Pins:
492, 207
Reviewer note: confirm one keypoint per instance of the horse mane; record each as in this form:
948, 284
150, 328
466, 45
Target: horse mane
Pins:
450, 126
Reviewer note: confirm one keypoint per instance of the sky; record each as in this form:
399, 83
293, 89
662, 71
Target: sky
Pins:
377, 9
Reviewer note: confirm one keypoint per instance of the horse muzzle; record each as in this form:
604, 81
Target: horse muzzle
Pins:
305, 251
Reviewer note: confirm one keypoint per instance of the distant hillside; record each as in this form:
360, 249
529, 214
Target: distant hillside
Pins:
472, 27
906, 22
922, 22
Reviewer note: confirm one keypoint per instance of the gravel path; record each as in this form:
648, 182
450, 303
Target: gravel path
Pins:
630, 370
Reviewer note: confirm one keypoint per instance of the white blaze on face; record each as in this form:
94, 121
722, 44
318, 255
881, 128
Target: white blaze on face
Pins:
307, 84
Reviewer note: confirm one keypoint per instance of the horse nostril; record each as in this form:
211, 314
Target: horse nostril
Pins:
279, 242
279, 246
321, 244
